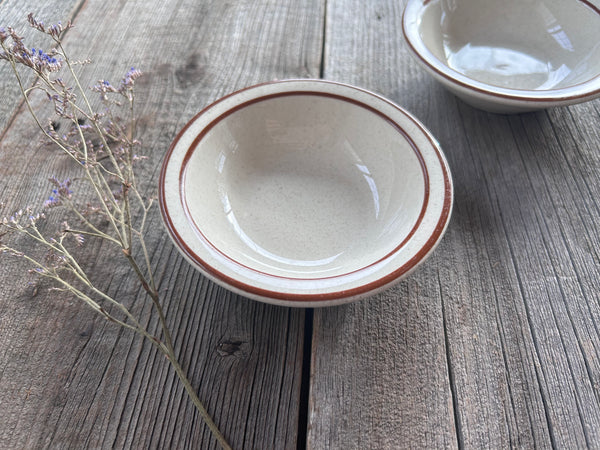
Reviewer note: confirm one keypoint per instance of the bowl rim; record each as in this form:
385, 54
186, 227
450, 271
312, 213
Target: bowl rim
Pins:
280, 296
586, 90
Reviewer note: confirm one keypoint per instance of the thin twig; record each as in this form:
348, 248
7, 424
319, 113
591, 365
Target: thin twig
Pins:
62, 267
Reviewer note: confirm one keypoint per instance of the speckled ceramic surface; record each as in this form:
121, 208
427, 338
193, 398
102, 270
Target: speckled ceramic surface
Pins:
305, 192
509, 56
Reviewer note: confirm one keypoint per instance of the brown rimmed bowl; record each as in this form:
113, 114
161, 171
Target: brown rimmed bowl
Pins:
305, 192
509, 56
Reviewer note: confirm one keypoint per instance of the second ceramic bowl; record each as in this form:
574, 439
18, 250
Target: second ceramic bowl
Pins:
509, 56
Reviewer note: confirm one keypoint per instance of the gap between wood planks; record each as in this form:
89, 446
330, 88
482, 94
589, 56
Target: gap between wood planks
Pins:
324, 34
303, 411
305, 379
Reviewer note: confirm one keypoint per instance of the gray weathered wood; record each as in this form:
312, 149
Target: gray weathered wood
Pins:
71, 380
380, 376
494, 342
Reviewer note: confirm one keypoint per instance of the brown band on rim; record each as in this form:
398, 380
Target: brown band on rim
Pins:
503, 95
207, 129
275, 295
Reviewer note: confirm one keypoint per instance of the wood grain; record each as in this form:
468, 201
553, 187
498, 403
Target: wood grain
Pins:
494, 341
380, 373
70, 379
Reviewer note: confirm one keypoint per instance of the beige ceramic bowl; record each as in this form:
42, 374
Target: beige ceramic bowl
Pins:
305, 192
511, 55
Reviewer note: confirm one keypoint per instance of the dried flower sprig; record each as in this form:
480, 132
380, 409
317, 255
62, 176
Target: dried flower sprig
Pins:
105, 150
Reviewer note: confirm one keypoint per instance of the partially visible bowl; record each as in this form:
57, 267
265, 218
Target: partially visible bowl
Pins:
305, 192
509, 56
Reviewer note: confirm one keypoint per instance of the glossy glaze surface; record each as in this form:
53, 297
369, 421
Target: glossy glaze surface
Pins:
512, 54
296, 189
305, 192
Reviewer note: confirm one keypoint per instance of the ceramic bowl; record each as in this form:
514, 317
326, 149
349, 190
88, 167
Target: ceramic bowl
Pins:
305, 192
509, 56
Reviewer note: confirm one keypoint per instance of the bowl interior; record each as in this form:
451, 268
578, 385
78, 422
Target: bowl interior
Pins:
516, 44
304, 185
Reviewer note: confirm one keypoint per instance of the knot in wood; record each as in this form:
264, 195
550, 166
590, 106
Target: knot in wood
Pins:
231, 348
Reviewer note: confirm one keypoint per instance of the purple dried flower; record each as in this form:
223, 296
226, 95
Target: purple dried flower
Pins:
35, 23
43, 62
60, 192
35, 58
52, 30
104, 87
129, 80
65, 230
79, 239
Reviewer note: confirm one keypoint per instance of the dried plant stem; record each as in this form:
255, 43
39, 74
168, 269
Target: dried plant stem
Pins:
199, 406
99, 195
91, 111
118, 208
165, 347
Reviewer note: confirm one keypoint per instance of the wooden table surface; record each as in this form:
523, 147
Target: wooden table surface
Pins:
494, 342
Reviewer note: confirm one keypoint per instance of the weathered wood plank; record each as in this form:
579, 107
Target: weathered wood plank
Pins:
522, 169
380, 373
509, 299
71, 379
